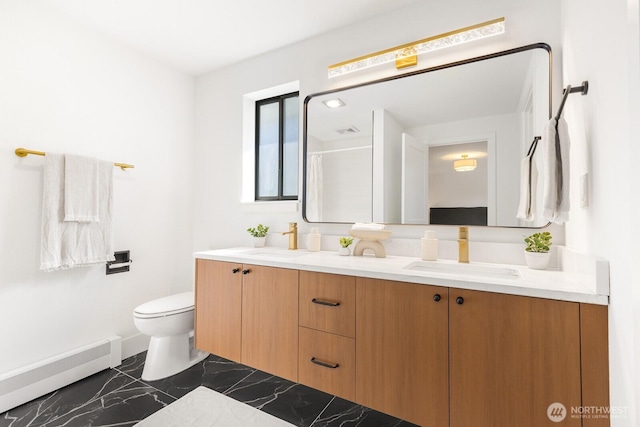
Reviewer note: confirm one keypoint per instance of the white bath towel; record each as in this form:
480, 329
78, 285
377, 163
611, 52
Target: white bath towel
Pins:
80, 188
67, 244
555, 171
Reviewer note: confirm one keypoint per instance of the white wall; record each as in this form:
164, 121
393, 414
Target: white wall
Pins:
65, 89
601, 44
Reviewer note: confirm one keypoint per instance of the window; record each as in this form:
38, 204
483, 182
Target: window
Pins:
276, 153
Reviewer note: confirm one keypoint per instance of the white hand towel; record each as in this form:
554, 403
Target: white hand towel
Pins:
556, 170
80, 189
68, 244
525, 212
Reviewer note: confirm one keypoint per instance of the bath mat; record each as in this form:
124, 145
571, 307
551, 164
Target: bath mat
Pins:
204, 407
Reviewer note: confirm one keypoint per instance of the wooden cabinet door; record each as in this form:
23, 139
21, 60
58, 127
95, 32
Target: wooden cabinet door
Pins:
510, 358
218, 308
594, 333
270, 320
402, 350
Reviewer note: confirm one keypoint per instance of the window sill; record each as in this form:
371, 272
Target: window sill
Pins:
275, 207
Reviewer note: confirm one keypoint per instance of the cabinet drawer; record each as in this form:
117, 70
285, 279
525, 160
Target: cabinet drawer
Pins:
327, 362
327, 303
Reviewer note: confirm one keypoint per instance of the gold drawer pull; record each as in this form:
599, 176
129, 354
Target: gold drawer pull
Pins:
323, 302
325, 364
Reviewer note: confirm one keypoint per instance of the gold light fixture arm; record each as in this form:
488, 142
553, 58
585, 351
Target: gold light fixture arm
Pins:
23, 152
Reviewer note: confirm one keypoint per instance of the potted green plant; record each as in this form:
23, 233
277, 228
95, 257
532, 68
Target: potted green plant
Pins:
345, 242
259, 235
536, 253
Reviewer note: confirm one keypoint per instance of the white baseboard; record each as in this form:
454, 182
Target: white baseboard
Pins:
37, 379
134, 344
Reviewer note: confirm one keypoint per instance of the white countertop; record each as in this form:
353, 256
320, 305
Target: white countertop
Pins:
575, 286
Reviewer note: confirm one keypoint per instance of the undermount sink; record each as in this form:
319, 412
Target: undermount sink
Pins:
275, 253
471, 270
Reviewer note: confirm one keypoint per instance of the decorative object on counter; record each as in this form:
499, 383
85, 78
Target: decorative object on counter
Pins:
370, 236
259, 235
429, 246
536, 253
314, 240
345, 242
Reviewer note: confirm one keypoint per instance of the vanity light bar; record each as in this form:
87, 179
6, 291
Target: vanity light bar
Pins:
407, 54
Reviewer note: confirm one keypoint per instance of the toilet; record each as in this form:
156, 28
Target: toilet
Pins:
169, 322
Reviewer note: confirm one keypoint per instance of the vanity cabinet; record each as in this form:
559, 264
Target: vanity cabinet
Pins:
249, 314
511, 357
402, 350
327, 319
431, 355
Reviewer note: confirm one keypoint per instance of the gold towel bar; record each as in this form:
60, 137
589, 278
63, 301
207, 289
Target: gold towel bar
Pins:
23, 152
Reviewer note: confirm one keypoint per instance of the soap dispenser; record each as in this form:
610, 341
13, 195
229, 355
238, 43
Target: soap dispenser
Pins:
429, 246
313, 243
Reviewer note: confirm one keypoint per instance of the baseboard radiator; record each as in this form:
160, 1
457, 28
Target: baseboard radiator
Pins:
30, 382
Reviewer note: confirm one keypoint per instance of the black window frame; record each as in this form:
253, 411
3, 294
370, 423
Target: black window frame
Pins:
280, 99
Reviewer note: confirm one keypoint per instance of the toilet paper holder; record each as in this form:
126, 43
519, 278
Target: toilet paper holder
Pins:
120, 264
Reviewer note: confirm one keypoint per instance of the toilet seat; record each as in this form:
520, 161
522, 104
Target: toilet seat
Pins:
166, 306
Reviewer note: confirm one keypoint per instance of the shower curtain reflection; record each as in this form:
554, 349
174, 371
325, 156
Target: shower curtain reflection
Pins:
348, 172
314, 188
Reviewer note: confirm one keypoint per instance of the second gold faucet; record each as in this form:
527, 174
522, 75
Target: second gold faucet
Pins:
463, 244
293, 236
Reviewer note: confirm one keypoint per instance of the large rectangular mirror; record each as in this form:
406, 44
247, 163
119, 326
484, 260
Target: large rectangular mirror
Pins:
436, 146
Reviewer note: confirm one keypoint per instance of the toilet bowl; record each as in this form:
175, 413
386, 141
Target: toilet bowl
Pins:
169, 323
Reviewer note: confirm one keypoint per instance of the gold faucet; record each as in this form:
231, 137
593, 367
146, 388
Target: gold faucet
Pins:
463, 244
293, 235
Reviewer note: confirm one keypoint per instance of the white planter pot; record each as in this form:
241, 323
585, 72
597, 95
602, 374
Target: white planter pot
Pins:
344, 251
258, 242
537, 260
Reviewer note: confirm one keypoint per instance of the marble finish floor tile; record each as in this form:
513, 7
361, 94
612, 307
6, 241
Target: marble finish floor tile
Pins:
214, 372
296, 403
343, 413
118, 397
133, 365
43, 410
123, 407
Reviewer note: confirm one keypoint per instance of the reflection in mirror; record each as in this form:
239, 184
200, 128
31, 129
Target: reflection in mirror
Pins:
386, 151
470, 204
